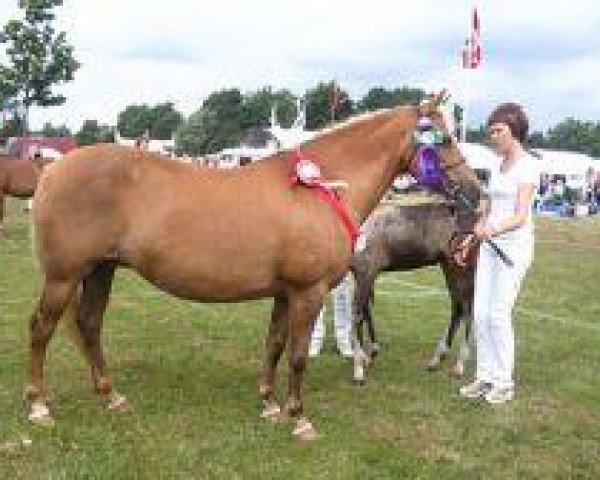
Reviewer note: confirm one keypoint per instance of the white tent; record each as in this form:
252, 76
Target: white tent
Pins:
553, 162
556, 162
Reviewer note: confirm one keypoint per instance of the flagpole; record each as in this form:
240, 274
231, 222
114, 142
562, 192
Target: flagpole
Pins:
333, 101
466, 95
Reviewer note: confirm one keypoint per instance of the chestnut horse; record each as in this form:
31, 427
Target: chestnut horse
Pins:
18, 178
213, 235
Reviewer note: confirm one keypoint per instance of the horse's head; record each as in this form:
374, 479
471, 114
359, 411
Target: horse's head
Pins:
436, 161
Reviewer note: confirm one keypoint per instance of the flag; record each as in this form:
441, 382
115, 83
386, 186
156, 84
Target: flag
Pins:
476, 51
465, 54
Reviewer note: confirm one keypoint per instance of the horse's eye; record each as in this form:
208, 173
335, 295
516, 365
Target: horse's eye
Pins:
446, 140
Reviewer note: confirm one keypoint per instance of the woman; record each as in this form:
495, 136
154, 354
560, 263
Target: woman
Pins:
508, 221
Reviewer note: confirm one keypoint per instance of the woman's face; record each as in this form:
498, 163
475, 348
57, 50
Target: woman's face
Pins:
501, 138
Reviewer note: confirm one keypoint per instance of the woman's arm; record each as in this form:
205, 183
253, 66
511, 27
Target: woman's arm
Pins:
525, 192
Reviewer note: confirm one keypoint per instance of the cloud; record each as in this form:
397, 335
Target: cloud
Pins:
543, 55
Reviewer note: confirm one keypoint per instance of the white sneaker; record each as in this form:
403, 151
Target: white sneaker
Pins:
475, 389
314, 350
499, 395
345, 351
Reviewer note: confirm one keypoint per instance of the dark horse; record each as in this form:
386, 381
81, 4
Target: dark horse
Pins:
406, 237
18, 178
213, 235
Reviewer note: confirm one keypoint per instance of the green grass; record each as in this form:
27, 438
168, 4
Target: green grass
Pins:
191, 371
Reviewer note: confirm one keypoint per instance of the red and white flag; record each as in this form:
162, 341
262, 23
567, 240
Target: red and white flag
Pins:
476, 52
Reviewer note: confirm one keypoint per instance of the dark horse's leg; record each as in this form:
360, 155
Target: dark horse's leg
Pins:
54, 299
445, 342
465, 347
304, 306
362, 302
88, 315
373, 345
459, 283
462, 287
275, 344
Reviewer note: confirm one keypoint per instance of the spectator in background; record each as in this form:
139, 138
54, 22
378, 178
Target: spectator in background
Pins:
342, 321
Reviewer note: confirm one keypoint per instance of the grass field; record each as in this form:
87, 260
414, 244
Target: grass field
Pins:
191, 371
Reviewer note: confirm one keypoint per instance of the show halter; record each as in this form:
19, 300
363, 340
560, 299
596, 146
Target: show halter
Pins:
306, 172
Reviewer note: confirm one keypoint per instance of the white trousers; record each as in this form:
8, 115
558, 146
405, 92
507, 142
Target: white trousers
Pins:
496, 289
342, 317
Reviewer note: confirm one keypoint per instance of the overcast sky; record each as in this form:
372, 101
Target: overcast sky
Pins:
543, 54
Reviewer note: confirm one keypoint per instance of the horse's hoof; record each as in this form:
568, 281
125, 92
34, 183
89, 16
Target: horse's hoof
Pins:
273, 414
40, 415
359, 382
118, 403
304, 431
432, 366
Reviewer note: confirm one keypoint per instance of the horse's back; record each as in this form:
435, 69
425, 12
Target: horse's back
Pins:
407, 236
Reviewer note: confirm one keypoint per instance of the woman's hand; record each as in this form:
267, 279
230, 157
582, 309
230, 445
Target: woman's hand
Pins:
483, 232
461, 253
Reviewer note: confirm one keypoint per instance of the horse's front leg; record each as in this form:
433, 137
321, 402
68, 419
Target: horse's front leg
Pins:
275, 344
303, 309
441, 349
465, 347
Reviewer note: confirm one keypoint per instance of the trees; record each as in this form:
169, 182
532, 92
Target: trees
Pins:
165, 120
192, 137
134, 121
160, 121
575, 135
380, 97
216, 125
49, 130
38, 57
256, 108
320, 101
91, 132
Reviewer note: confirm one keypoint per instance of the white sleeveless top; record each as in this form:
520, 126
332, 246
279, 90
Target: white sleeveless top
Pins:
503, 188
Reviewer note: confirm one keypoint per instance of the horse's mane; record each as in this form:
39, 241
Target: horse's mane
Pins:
349, 122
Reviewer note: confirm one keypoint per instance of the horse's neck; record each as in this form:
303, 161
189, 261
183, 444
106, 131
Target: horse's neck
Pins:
368, 183
368, 171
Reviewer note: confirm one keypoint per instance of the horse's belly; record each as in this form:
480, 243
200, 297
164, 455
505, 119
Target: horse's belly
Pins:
211, 283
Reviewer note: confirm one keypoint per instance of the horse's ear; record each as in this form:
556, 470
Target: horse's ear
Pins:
432, 102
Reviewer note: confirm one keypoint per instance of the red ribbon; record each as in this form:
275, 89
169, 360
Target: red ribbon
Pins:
327, 193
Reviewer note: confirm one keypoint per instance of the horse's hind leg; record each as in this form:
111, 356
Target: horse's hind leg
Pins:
275, 344
373, 345
54, 299
88, 315
303, 309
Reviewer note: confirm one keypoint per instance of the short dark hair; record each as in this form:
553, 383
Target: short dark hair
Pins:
511, 114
